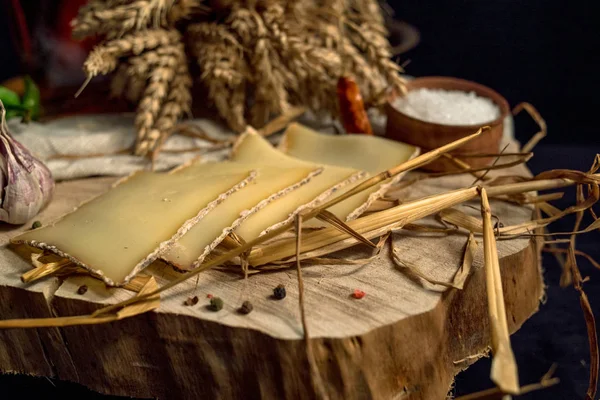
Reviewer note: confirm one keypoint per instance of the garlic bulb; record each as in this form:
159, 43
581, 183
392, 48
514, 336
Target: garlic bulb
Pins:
26, 184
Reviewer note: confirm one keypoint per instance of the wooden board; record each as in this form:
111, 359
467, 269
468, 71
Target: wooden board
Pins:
405, 339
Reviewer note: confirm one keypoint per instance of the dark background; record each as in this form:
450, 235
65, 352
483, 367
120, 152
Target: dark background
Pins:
543, 52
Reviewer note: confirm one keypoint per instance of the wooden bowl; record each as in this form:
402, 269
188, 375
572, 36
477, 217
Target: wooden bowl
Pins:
428, 135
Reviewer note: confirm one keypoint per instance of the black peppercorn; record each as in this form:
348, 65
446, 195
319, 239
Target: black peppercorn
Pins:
191, 301
82, 289
216, 304
246, 308
279, 292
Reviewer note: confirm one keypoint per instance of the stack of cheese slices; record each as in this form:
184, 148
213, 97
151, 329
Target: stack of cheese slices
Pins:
181, 216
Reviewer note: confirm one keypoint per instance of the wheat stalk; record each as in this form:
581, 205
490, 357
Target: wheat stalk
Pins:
267, 73
120, 80
103, 58
184, 10
368, 33
218, 53
152, 100
119, 20
154, 13
288, 63
143, 64
277, 53
271, 75
121, 17
178, 103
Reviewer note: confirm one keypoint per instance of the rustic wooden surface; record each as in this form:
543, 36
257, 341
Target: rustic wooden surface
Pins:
405, 339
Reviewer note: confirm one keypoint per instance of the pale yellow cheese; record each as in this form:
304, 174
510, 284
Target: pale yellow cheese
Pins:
120, 232
368, 153
253, 148
269, 185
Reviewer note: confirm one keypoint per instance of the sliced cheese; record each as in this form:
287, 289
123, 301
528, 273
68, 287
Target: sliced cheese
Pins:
270, 184
368, 153
252, 148
122, 231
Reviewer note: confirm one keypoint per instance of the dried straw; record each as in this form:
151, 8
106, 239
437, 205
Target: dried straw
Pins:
44, 270
460, 219
329, 240
280, 122
504, 367
588, 314
465, 268
533, 113
496, 393
146, 301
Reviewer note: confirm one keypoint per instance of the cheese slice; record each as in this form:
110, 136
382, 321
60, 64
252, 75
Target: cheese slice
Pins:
252, 148
122, 231
368, 153
270, 184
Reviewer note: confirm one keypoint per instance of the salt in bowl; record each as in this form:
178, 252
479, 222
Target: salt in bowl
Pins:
430, 135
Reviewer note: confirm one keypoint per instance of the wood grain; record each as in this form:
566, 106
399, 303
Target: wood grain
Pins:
405, 339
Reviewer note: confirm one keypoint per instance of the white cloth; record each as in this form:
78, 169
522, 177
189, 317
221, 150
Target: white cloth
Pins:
95, 145
100, 145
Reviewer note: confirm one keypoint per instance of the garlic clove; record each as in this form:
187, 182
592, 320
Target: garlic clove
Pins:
26, 184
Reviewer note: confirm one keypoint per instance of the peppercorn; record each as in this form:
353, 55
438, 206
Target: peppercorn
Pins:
191, 301
358, 294
216, 304
246, 308
279, 292
36, 224
82, 289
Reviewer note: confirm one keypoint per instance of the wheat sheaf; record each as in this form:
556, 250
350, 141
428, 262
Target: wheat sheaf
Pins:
254, 59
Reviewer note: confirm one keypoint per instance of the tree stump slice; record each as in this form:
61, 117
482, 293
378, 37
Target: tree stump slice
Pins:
406, 339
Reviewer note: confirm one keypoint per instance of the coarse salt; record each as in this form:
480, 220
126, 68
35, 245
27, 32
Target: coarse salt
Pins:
447, 107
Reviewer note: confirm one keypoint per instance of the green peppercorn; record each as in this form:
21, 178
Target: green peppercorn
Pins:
246, 308
279, 292
36, 224
216, 304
